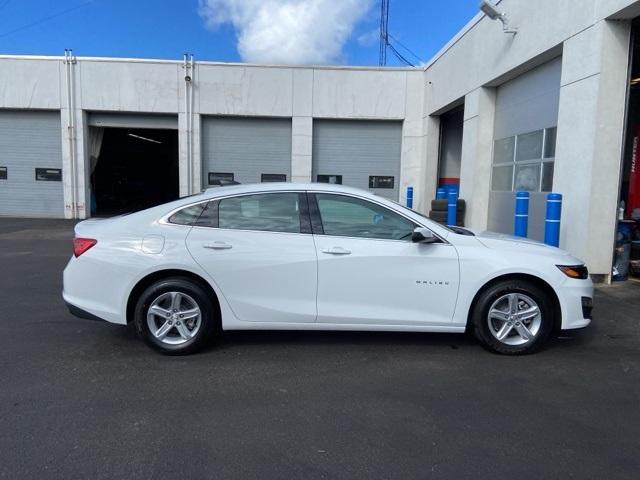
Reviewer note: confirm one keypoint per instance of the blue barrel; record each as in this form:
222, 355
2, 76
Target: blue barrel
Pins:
441, 194
452, 206
521, 222
552, 220
409, 197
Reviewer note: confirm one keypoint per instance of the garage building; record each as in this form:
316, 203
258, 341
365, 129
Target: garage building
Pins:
552, 107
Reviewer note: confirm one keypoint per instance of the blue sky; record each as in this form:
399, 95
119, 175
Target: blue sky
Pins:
289, 31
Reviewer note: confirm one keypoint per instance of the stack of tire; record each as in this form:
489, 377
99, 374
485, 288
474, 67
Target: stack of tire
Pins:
439, 209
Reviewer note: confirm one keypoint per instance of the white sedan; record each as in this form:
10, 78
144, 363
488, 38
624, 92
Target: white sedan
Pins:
317, 257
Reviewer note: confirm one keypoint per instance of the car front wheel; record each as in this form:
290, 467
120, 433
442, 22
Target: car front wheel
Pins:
175, 316
513, 317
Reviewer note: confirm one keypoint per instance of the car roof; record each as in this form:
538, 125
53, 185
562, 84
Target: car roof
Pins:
283, 186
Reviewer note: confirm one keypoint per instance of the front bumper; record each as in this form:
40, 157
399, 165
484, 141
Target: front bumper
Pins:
576, 301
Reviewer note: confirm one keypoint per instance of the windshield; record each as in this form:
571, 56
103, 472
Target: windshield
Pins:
423, 216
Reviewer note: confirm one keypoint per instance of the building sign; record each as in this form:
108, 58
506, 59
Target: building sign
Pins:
217, 178
273, 177
48, 174
376, 181
335, 179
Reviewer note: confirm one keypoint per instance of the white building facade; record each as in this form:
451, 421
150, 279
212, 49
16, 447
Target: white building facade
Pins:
543, 110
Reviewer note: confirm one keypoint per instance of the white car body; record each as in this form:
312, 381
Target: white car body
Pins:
301, 281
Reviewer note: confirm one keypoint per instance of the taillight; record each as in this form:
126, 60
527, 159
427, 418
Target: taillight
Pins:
81, 245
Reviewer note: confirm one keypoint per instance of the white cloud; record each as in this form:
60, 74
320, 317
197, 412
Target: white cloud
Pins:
287, 31
370, 38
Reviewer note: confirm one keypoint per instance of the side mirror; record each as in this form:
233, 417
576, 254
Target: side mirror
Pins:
423, 235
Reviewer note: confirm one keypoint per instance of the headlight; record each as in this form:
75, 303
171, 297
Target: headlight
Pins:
575, 271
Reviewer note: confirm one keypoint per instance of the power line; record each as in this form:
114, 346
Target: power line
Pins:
385, 36
45, 19
406, 48
399, 56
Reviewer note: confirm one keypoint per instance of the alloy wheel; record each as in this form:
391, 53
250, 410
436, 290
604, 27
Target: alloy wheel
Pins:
514, 319
174, 318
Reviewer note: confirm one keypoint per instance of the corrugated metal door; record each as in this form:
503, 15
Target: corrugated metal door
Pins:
363, 154
31, 164
525, 106
246, 150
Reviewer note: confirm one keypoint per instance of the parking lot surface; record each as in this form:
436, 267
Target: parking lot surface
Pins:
85, 399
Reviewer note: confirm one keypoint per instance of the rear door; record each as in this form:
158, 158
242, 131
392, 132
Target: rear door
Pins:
259, 250
369, 270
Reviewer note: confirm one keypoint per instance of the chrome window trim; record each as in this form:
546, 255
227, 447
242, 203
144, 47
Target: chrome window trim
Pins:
164, 220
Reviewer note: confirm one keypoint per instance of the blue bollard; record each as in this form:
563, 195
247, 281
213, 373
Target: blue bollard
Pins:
552, 220
522, 214
452, 206
409, 197
441, 194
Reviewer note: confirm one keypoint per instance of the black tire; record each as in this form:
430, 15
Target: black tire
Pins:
442, 217
209, 316
442, 205
480, 317
438, 216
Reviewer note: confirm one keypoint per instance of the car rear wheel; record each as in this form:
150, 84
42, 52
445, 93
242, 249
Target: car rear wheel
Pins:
175, 316
513, 317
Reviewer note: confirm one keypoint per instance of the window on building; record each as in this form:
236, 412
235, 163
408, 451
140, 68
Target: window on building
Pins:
524, 162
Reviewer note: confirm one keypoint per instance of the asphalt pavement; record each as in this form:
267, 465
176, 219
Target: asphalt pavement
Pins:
83, 399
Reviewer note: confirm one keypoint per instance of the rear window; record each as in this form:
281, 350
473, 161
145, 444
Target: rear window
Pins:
188, 215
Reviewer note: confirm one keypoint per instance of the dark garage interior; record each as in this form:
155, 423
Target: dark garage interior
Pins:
134, 169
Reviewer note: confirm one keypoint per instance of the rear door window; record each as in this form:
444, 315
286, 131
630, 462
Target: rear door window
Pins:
270, 212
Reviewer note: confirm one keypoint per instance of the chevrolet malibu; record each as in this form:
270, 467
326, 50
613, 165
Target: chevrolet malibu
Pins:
317, 257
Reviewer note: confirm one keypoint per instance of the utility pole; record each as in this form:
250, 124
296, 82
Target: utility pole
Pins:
384, 32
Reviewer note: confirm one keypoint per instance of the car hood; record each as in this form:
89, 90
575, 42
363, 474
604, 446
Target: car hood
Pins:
501, 241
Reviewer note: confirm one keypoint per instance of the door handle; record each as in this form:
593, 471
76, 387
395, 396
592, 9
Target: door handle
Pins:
218, 246
336, 251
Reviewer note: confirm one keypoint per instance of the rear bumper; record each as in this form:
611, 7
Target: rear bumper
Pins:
95, 289
80, 313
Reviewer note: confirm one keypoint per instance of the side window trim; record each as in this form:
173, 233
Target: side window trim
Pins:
314, 214
303, 213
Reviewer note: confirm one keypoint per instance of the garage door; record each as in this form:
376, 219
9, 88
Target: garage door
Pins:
31, 164
246, 150
526, 116
363, 154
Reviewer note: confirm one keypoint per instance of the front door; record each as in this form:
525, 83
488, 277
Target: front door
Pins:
256, 250
370, 272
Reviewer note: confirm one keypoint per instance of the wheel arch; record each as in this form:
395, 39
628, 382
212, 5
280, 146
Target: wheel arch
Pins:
539, 282
158, 275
